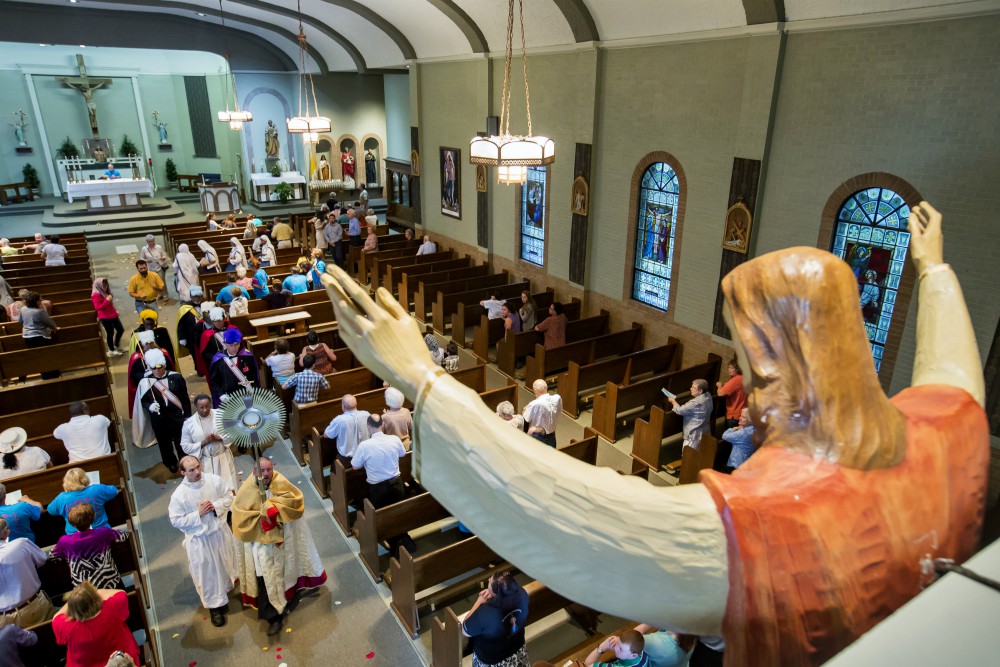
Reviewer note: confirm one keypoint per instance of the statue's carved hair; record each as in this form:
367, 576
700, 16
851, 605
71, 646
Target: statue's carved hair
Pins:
798, 318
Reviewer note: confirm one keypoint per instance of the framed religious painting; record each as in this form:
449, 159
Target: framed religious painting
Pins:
451, 182
98, 149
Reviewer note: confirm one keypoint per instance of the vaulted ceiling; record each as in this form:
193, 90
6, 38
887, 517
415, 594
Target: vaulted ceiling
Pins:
374, 35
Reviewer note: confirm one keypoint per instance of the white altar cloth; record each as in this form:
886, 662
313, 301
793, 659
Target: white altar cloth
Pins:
119, 186
290, 177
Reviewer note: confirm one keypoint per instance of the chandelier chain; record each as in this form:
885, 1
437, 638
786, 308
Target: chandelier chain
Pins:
508, 54
228, 57
524, 60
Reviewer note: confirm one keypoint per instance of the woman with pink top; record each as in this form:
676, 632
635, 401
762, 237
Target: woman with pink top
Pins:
107, 315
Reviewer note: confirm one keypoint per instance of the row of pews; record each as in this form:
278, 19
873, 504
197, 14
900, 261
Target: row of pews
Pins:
610, 372
38, 406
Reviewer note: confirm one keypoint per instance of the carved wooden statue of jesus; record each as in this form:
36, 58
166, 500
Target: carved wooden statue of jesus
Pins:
810, 543
86, 85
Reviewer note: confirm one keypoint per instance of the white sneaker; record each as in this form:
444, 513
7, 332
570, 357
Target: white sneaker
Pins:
115, 353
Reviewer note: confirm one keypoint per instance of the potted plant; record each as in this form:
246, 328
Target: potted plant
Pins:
276, 170
31, 178
68, 149
171, 170
127, 148
284, 191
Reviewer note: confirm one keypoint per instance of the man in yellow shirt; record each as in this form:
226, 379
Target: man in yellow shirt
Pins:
144, 286
282, 233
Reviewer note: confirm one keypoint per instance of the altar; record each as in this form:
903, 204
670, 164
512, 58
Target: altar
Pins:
121, 193
263, 185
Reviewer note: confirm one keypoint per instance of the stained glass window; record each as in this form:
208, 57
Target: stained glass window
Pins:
871, 236
533, 216
654, 239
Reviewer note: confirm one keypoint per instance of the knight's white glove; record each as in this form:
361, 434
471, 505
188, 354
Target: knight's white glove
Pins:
223, 397
154, 408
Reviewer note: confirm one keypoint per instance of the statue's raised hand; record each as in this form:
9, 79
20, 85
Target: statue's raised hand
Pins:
393, 346
926, 240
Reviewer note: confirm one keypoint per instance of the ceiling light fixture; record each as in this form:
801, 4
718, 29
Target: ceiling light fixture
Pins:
512, 154
305, 123
234, 118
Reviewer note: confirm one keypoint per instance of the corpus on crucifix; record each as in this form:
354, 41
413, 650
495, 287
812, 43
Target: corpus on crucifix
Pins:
86, 85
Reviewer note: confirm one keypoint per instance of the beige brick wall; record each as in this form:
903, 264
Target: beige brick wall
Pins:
914, 100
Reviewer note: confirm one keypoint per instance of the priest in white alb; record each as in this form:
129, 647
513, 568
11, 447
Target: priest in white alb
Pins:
198, 509
201, 439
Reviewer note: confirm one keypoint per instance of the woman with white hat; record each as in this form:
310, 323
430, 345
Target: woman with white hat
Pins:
18, 459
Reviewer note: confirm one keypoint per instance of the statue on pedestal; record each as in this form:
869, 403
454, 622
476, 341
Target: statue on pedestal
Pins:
160, 126
271, 144
19, 126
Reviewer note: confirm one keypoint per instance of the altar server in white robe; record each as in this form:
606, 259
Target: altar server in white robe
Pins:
198, 509
201, 439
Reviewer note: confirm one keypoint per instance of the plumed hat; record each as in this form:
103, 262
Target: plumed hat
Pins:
154, 358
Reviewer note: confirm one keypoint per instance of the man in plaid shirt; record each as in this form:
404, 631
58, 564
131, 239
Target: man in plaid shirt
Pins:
307, 383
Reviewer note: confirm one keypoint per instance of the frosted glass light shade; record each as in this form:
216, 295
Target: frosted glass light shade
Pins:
297, 125
511, 175
300, 124
512, 151
235, 116
310, 137
235, 124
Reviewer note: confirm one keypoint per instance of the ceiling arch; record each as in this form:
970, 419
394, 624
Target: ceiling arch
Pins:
232, 17
374, 35
375, 19
52, 25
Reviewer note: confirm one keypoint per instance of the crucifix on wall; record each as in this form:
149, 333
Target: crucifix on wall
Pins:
86, 85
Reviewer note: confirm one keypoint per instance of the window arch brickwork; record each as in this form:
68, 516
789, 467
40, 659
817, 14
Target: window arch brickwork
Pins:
630, 252
827, 232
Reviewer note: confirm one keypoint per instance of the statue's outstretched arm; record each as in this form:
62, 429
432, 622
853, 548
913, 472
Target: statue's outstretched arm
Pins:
614, 543
947, 351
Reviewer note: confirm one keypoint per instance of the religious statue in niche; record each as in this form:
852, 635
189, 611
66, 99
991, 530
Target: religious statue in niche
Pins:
271, 144
481, 181
581, 196
371, 168
414, 163
160, 126
19, 124
778, 557
322, 170
737, 233
347, 162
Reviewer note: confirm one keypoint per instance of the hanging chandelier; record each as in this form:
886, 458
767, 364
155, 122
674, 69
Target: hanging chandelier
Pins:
304, 124
512, 154
234, 118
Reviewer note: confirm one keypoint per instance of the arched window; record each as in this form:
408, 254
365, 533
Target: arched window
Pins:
870, 234
656, 226
533, 215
